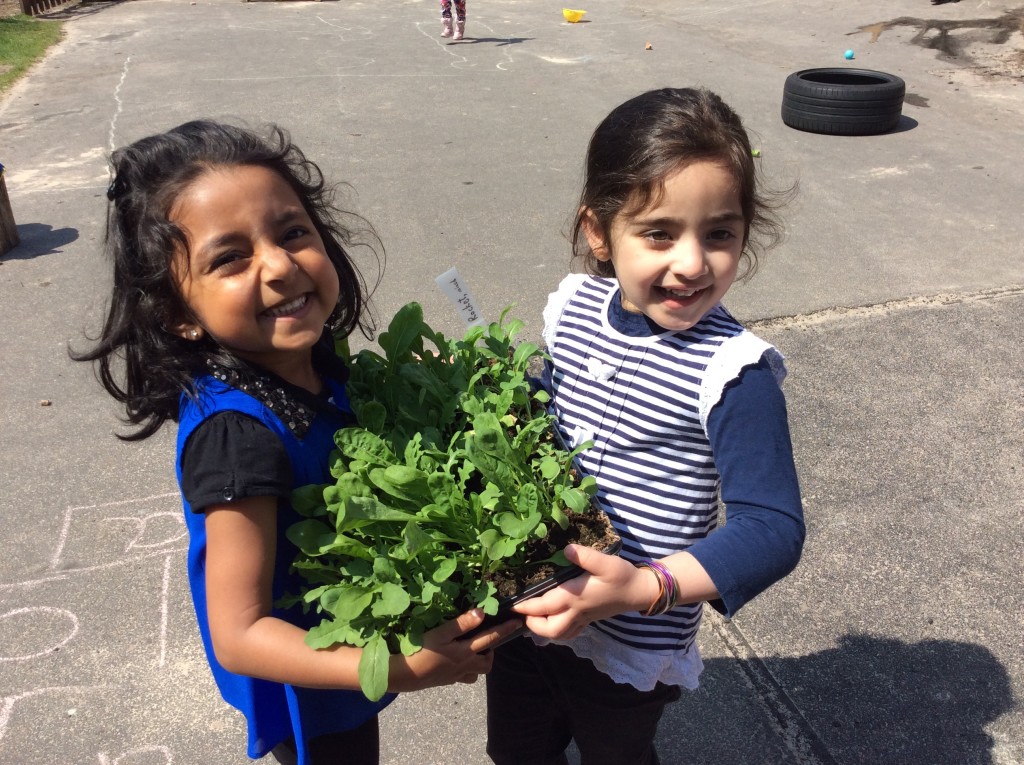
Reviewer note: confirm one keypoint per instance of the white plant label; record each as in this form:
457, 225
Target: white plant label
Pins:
455, 290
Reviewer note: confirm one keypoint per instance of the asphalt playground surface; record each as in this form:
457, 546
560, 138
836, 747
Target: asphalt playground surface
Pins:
896, 298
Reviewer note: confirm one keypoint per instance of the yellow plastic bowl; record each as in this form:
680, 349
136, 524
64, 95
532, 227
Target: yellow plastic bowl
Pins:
572, 16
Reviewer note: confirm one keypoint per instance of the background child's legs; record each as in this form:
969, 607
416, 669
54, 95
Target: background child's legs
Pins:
612, 723
446, 9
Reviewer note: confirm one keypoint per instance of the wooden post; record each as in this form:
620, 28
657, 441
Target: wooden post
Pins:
8, 231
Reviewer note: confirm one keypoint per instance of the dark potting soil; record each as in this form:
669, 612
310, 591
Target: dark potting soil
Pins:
592, 529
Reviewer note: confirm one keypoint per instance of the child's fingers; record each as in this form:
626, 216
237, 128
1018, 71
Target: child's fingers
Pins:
490, 638
460, 625
564, 626
590, 560
551, 602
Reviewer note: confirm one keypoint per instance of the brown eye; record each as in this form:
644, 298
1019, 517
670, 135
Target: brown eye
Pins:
225, 260
296, 232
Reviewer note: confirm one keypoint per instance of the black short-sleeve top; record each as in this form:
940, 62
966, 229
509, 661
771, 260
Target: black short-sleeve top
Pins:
232, 456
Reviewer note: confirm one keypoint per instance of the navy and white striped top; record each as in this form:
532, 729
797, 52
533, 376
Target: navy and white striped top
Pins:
644, 401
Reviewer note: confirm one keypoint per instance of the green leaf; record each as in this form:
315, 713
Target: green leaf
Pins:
344, 546
391, 600
373, 668
528, 502
415, 538
491, 453
523, 353
347, 604
496, 546
328, 633
588, 485
309, 500
371, 509
372, 415
490, 497
311, 536
445, 569
402, 482
489, 605
559, 559
384, 569
361, 444
575, 500
549, 468
428, 591
513, 526
405, 335
409, 644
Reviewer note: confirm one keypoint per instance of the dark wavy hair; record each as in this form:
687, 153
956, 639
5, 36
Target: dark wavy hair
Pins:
643, 141
140, 360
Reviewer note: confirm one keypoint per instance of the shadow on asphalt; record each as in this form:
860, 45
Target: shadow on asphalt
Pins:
870, 700
40, 239
905, 124
499, 40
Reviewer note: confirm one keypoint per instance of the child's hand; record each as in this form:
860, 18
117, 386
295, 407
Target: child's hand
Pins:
611, 586
445, 659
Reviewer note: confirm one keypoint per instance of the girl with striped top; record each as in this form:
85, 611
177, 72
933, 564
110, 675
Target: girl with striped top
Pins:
683, 407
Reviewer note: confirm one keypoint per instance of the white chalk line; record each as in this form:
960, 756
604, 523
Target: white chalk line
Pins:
118, 104
168, 757
62, 537
7, 703
67, 572
835, 315
52, 648
164, 611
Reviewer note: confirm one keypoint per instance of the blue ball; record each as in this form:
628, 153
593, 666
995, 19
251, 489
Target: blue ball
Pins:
848, 54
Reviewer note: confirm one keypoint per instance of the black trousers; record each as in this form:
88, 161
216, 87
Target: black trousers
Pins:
359, 746
539, 699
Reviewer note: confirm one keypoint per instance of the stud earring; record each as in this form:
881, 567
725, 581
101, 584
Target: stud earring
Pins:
194, 334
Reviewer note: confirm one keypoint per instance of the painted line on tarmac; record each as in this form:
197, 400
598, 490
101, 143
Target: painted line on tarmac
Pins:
842, 314
795, 732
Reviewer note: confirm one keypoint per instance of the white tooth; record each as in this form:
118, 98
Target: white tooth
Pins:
281, 310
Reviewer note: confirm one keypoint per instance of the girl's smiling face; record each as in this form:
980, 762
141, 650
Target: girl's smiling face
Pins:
256, 276
678, 256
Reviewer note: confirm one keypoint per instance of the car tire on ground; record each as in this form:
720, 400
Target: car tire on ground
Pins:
840, 101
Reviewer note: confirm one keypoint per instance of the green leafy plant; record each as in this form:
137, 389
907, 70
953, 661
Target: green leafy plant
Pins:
450, 476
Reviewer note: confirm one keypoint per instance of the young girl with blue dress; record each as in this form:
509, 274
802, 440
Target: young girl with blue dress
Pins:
232, 280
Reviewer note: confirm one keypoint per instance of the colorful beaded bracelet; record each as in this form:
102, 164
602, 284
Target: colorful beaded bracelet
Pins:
668, 587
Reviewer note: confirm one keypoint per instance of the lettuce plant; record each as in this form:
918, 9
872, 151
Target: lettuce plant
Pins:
451, 471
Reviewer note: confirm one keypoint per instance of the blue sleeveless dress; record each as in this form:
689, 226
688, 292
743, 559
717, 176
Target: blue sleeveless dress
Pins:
274, 712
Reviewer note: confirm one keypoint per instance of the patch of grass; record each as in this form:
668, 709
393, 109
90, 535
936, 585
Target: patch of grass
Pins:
23, 41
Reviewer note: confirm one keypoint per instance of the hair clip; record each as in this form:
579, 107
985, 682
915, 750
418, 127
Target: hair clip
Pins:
116, 188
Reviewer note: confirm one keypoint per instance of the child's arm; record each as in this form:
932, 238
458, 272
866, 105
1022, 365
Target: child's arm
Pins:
247, 640
762, 540
611, 586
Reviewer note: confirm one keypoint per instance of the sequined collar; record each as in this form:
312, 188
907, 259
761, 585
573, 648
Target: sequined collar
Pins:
274, 393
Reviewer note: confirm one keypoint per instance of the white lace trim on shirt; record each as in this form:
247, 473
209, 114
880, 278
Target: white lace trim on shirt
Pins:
735, 354
557, 301
641, 669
